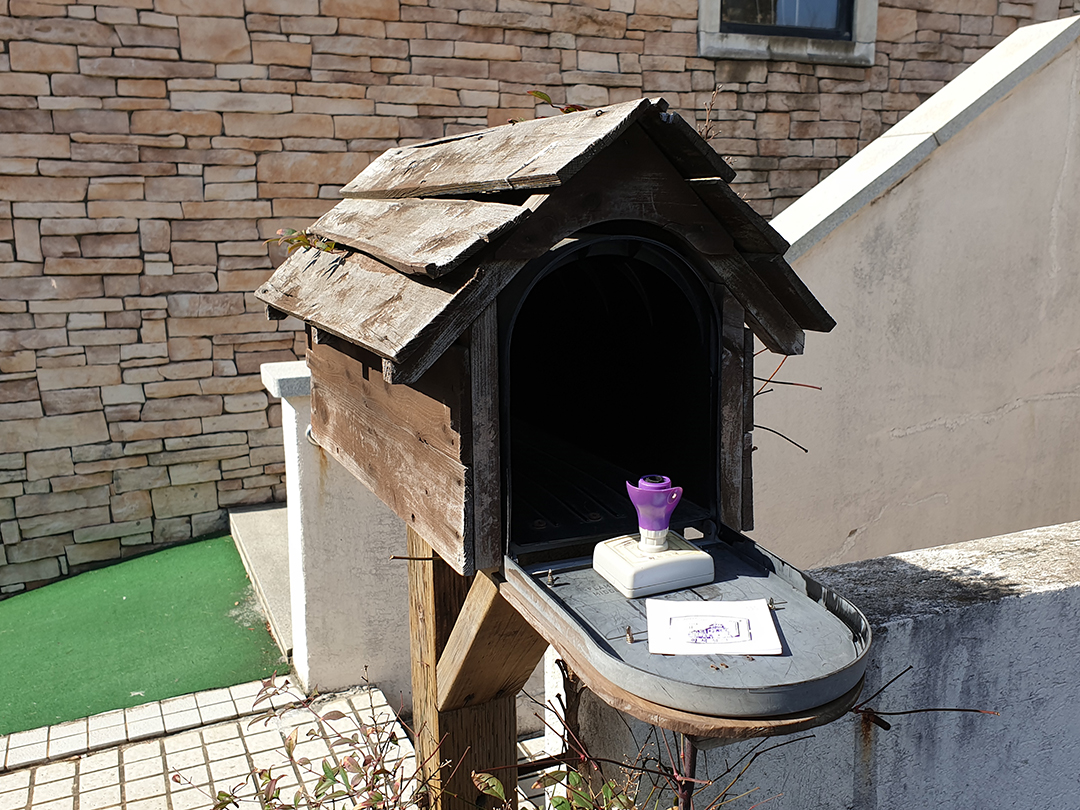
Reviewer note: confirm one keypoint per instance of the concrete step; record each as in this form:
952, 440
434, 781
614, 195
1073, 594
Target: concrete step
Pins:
261, 535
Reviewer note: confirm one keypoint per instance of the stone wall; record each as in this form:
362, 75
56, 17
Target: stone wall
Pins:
148, 147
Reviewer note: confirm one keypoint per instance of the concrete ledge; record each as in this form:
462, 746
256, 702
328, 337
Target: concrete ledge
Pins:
285, 380
934, 581
716, 45
894, 155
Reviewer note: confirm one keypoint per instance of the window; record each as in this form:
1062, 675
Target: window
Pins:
840, 32
823, 19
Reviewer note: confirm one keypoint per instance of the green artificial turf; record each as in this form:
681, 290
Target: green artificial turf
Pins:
177, 621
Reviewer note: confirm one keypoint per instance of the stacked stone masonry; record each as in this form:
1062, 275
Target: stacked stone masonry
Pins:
149, 147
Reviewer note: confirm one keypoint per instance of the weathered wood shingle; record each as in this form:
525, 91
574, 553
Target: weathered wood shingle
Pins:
534, 154
430, 237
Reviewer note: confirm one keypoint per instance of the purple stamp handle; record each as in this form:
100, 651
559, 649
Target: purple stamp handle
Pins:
655, 499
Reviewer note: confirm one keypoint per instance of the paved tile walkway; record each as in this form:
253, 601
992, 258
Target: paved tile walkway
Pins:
135, 765
127, 725
214, 756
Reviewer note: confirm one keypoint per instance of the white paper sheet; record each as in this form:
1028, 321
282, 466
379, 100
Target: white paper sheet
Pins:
711, 628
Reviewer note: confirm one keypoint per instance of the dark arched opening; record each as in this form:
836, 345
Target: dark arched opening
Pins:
609, 362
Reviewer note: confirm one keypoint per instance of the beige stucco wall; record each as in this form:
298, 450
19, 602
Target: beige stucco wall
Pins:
951, 401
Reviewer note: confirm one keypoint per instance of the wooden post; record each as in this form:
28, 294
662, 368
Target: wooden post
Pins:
451, 745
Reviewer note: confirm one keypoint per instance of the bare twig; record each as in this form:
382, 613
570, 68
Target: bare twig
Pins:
782, 436
705, 129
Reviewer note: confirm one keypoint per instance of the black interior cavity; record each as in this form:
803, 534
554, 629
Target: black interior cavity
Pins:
610, 372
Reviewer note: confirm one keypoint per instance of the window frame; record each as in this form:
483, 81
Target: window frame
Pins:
857, 51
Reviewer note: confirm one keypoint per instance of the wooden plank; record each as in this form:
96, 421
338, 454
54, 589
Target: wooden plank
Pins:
359, 298
418, 236
485, 461
732, 381
796, 298
541, 153
764, 314
682, 145
474, 738
405, 446
748, 431
491, 651
752, 233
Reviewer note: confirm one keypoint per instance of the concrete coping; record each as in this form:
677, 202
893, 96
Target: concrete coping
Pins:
890, 158
285, 380
958, 576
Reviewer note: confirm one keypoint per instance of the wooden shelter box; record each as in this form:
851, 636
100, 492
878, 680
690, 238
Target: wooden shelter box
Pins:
510, 323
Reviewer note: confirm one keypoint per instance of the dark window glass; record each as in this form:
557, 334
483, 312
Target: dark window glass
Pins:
827, 19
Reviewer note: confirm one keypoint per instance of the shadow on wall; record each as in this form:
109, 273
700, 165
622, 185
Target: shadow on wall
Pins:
913, 590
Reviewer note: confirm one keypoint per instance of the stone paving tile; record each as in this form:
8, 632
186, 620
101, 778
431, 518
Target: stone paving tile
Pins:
213, 696
99, 779
72, 729
145, 712
110, 735
66, 746
217, 712
34, 735
14, 780
106, 720
174, 705
52, 773
181, 721
144, 729
103, 797
99, 761
26, 754
143, 768
157, 803
145, 788
183, 742
53, 790
188, 799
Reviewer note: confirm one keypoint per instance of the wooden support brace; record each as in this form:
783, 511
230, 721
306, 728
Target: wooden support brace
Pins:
491, 652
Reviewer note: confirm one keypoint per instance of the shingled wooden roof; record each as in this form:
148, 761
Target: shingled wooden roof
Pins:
435, 230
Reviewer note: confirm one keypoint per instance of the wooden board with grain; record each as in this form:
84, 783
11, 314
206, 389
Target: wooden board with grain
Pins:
689, 153
752, 233
485, 460
451, 744
649, 192
404, 445
732, 381
429, 237
790, 291
747, 516
766, 316
359, 298
531, 154
491, 651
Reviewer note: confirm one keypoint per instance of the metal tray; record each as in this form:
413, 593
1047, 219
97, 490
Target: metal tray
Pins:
825, 638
